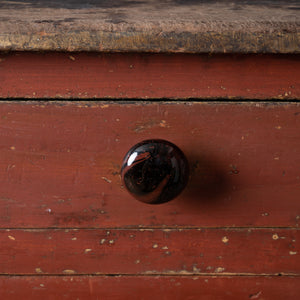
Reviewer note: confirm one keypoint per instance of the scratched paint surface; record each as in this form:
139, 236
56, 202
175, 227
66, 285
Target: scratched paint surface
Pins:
60, 164
143, 287
151, 252
144, 76
67, 222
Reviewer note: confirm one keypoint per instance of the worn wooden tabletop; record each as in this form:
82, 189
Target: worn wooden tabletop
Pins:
154, 26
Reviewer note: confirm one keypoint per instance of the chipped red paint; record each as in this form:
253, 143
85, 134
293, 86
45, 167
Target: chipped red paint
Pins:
157, 251
60, 179
60, 164
147, 288
94, 75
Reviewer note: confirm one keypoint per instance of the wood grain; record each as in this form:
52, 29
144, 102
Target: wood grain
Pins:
144, 76
169, 252
146, 288
60, 164
154, 26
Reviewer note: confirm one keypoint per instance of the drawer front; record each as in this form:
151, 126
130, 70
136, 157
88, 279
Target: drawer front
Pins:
60, 164
64, 211
58, 75
68, 227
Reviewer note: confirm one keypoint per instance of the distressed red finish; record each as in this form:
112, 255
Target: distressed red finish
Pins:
169, 252
147, 288
60, 164
94, 75
69, 229
67, 222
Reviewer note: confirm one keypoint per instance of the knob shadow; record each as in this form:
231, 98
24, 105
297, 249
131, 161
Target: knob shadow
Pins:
208, 182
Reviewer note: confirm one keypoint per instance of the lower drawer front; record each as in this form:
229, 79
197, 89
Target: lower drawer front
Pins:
67, 223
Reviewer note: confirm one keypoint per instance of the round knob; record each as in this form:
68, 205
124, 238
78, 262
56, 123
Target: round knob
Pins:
155, 171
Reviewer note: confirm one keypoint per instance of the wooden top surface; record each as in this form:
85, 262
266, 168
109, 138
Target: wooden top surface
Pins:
192, 26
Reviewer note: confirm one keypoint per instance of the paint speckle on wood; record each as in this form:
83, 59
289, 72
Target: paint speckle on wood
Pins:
219, 270
195, 269
69, 272
38, 270
225, 239
106, 179
255, 295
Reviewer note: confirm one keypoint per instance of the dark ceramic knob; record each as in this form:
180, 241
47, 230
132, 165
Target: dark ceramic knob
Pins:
155, 171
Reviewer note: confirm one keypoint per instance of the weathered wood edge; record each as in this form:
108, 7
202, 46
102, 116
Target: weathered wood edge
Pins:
168, 42
151, 26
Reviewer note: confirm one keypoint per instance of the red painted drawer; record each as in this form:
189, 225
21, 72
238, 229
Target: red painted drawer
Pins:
68, 227
60, 164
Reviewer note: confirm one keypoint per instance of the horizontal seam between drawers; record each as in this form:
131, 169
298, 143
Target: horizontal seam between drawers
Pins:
168, 274
151, 228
